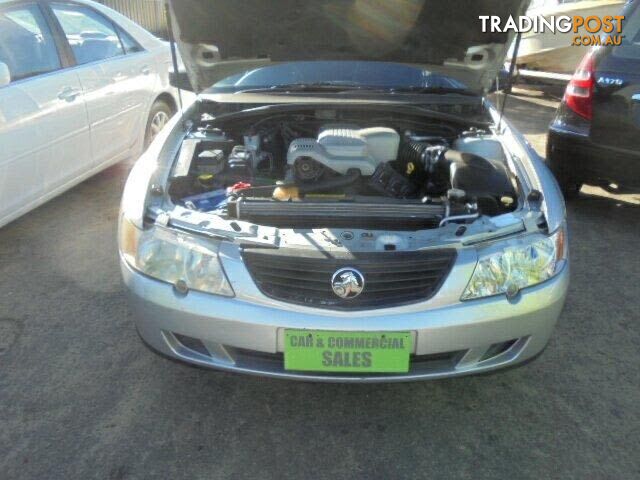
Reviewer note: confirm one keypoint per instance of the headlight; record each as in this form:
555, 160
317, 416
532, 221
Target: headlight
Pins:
173, 257
522, 263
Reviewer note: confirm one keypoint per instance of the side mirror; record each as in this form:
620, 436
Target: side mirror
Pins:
180, 80
5, 74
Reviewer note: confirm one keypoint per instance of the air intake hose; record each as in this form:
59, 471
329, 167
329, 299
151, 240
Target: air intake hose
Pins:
412, 152
422, 163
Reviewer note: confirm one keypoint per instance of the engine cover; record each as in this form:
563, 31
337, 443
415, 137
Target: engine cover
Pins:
344, 149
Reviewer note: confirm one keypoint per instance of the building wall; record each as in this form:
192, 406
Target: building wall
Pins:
149, 14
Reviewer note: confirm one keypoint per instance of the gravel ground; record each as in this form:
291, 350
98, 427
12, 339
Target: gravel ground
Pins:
81, 397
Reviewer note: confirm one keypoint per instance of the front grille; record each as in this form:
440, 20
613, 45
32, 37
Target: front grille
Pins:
391, 278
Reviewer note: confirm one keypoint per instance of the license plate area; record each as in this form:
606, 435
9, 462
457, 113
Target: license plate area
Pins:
349, 352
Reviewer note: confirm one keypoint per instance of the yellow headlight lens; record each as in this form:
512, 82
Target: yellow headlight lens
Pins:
174, 257
517, 266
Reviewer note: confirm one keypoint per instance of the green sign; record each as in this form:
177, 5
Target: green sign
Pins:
325, 351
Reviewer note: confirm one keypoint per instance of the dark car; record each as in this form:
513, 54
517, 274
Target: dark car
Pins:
595, 136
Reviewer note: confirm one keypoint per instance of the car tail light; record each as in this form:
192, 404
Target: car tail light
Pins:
579, 94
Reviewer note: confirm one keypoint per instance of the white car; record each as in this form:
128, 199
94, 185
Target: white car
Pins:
81, 88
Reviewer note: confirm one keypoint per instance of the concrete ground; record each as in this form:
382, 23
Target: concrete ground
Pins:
81, 397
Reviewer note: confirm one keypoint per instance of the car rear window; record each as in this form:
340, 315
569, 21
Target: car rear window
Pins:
92, 37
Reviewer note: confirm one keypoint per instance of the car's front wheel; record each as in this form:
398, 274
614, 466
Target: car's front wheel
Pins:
161, 113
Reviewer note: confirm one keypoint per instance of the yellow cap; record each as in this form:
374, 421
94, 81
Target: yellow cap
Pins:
411, 167
205, 177
286, 193
506, 200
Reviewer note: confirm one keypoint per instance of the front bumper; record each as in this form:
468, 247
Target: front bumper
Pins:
246, 336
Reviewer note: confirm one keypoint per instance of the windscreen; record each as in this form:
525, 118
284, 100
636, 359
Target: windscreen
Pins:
381, 75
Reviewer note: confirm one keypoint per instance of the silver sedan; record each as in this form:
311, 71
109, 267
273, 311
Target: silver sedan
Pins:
334, 217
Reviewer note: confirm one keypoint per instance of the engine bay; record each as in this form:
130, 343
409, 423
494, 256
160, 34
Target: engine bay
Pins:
324, 168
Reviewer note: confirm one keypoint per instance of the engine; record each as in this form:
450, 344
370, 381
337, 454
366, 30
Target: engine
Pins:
342, 149
299, 173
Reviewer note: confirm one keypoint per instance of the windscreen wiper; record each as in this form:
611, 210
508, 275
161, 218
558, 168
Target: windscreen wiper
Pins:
346, 87
433, 90
307, 87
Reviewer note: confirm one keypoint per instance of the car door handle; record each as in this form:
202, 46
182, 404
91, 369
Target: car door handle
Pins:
145, 70
69, 94
636, 97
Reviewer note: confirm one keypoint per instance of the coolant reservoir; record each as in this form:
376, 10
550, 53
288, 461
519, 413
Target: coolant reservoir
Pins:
484, 146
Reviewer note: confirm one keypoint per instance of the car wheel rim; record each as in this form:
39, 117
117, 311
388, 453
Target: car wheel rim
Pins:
158, 122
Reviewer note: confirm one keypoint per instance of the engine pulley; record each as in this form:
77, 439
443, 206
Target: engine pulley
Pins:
306, 169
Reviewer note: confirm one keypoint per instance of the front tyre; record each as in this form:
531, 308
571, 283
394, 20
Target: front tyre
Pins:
161, 113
